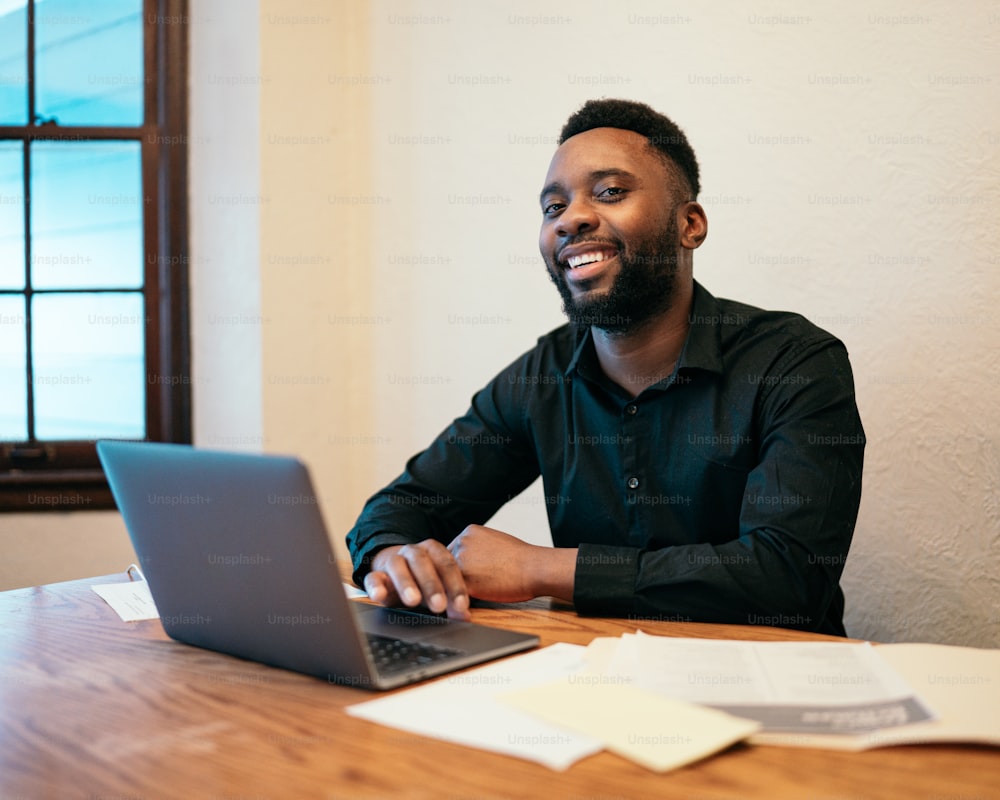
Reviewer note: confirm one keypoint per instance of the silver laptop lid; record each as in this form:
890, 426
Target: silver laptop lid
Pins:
236, 554
238, 560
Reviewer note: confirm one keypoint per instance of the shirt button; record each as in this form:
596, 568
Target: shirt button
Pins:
631, 409
633, 483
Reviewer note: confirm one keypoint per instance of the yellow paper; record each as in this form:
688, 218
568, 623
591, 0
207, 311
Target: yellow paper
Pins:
654, 731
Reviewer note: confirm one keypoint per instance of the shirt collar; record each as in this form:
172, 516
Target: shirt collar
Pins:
702, 348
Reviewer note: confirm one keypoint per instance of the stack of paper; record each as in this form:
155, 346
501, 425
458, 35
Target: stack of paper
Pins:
664, 702
546, 707
961, 685
790, 687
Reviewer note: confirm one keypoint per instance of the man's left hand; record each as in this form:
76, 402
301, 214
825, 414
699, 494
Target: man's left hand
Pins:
504, 569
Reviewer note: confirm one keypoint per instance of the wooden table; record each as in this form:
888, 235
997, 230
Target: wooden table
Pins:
94, 707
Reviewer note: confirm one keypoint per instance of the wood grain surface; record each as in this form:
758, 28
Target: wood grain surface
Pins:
94, 707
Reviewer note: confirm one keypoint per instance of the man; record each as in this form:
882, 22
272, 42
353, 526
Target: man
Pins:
701, 458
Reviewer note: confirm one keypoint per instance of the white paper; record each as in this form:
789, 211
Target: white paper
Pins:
743, 672
829, 687
132, 601
464, 708
961, 684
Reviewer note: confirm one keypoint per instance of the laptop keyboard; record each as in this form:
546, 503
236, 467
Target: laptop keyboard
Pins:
394, 655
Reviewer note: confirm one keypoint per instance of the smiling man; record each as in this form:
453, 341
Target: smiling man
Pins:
701, 458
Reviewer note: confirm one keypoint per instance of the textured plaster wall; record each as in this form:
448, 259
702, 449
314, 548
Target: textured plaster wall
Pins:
850, 172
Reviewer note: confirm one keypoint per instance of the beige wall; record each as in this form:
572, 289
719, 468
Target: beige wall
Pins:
316, 236
52, 546
850, 171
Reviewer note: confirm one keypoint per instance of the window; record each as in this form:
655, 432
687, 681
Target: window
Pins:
93, 251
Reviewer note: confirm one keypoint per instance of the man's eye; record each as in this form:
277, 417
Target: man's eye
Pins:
611, 193
551, 208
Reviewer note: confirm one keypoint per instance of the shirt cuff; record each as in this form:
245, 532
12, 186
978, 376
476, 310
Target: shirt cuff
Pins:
604, 583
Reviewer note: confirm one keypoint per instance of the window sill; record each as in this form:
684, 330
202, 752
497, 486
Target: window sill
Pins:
55, 490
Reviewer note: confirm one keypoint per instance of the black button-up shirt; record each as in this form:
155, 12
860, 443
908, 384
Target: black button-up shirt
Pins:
727, 492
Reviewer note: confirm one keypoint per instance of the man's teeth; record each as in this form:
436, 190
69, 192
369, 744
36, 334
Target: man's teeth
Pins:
585, 258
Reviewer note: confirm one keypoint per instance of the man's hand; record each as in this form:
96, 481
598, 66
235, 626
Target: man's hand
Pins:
414, 573
504, 569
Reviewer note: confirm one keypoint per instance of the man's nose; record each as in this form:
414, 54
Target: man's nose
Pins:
577, 217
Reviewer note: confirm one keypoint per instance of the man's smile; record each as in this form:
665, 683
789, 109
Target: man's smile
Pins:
576, 255
584, 261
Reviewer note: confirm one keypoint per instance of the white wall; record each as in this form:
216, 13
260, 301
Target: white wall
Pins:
850, 163
850, 171
225, 208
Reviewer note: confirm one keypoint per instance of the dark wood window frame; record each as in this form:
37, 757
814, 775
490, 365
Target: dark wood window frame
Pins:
66, 475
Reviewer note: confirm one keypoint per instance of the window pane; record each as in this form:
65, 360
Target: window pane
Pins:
88, 61
13, 62
11, 215
89, 372
14, 396
86, 215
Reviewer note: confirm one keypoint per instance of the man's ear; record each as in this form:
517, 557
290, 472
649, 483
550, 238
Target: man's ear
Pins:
692, 224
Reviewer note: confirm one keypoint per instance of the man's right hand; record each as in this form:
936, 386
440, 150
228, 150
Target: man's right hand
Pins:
412, 574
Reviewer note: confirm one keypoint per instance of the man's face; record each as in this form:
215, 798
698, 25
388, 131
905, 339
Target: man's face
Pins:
609, 230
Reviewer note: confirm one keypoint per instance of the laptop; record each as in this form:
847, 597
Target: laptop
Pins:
238, 560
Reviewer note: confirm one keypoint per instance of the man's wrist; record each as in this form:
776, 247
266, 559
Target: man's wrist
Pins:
553, 572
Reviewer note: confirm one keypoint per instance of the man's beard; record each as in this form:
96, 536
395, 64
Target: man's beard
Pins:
643, 289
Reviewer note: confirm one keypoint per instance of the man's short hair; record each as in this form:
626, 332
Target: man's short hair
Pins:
660, 131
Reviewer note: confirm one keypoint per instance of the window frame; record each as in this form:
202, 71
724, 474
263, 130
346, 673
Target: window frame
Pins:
67, 475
